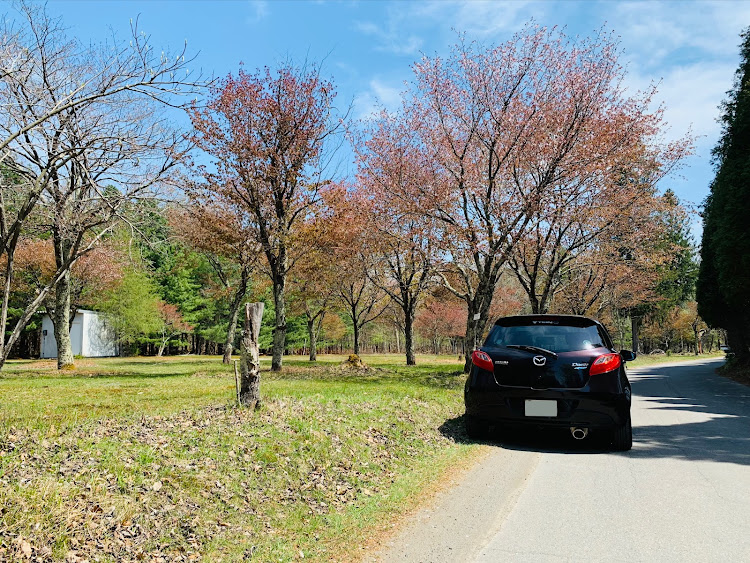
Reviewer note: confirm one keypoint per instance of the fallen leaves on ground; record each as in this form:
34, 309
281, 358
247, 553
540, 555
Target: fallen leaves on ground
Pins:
210, 482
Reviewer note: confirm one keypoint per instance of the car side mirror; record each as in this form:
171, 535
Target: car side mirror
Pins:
627, 355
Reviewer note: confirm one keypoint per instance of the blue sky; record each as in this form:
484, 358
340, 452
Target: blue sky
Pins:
689, 48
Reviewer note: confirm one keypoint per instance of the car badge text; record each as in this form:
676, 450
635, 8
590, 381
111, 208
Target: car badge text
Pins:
539, 360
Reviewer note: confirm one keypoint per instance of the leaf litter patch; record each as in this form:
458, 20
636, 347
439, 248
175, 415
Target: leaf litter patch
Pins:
206, 483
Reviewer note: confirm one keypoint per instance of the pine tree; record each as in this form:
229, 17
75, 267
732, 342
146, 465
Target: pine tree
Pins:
723, 290
677, 277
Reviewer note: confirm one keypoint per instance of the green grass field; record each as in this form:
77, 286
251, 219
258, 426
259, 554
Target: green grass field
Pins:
142, 458
130, 458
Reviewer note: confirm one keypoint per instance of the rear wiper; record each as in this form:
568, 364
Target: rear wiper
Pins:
526, 348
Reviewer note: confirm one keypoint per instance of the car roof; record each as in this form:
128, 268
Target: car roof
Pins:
531, 320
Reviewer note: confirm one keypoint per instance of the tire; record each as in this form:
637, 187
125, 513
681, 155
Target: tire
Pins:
476, 429
622, 437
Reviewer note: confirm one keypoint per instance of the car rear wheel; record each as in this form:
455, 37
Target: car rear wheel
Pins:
475, 427
622, 437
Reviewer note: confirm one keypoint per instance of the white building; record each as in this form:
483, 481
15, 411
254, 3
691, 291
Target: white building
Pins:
90, 336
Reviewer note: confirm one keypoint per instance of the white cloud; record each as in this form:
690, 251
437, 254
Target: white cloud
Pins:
389, 38
379, 96
388, 96
668, 32
690, 94
397, 33
488, 18
259, 10
691, 50
409, 26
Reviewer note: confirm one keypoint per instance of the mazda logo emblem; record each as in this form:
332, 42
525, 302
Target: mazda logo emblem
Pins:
539, 360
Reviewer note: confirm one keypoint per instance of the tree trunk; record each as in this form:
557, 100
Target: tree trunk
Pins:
469, 340
279, 332
409, 338
162, 346
634, 324
61, 322
7, 285
356, 338
536, 306
31, 308
312, 333
249, 359
234, 314
475, 328
738, 343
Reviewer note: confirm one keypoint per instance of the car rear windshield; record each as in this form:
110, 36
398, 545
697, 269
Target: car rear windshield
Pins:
554, 337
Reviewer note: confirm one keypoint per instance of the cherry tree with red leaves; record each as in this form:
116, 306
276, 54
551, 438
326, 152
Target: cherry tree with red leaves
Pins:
503, 128
346, 227
586, 212
268, 133
403, 242
317, 272
441, 317
91, 275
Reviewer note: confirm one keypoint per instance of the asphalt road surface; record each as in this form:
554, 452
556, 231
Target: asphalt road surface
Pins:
681, 494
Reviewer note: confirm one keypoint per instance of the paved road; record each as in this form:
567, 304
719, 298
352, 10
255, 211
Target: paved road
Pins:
681, 494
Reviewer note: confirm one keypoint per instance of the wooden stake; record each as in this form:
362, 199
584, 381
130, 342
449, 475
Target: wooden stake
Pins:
237, 381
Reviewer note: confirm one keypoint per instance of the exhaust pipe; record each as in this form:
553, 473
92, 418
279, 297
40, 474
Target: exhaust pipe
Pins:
579, 433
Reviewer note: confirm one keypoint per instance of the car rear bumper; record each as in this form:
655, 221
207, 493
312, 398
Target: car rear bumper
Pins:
505, 406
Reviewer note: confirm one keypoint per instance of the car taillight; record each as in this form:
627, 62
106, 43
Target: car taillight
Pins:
605, 363
482, 360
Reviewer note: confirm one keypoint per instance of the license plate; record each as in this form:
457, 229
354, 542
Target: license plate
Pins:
535, 407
